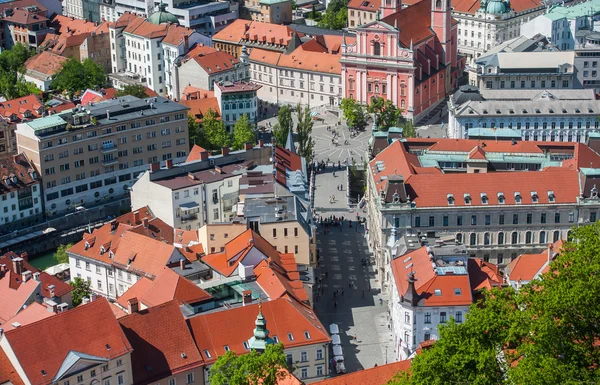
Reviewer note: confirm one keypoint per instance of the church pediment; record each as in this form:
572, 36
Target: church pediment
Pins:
377, 25
76, 362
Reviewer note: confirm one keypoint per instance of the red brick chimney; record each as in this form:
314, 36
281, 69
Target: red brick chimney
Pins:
261, 143
136, 217
225, 151
145, 221
204, 155
155, 166
133, 305
169, 163
18, 265
248, 146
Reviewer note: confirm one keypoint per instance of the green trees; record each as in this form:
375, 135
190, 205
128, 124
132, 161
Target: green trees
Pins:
193, 131
336, 15
304, 129
354, 113
78, 76
213, 134
137, 90
242, 133
12, 61
283, 126
61, 255
547, 333
249, 369
387, 112
81, 289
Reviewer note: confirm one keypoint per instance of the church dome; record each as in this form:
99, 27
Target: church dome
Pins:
496, 7
162, 16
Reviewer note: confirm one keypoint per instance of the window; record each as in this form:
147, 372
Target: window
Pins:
486, 239
427, 337
459, 220
80, 378
377, 49
445, 221
515, 219
458, 317
320, 372
442, 317
543, 218
529, 218
501, 219
319, 355
556, 217
417, 221
427, 318
528, 237
542, 237
514, 238
431, 221
473, 239
304, 373
291, 337
289, 358
473, 220
172, 381
303, 356
488, 219
500, 238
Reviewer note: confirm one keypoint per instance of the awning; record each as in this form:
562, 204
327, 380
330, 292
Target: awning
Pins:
314, 114
189, 206
48, 230
335, 339
337, 351
334, 329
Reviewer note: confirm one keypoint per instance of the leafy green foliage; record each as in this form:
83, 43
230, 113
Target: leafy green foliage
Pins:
81, 289
336, 15
137, 90
77, 76
242, 133
249, 369
304, 129
61, 255
214, 135
408, 128
283, 126
354, 113
547, 333
194, 134
388, 114
12, 61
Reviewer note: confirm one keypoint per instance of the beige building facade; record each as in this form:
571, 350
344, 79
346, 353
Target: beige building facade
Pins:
93, 154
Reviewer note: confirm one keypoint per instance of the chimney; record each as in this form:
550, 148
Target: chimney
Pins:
51, 291
261, 143
204, 155
25, 256
248, 146
50, 306
182, 263
247, 297
169, 163
108, 114
136, 217
145, 222
26, 275
133, 305
154, 166
93, 297
225, 151
18, 265
36, 276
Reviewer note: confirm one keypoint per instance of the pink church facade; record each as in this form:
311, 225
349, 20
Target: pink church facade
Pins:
408, 56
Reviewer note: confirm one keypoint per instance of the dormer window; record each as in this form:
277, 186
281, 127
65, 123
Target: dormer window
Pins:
246, 346
485, 112
467, 199
102, 250
534, 197
396, 197
484, 199
307, 335
291, 337
501, 198
450, 198
517, 197
551, 196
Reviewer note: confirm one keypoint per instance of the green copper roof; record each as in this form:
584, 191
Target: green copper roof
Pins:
162, 16
260, 339
587, 8
496, 7
271, 2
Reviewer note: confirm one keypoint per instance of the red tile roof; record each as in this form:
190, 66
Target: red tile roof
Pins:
255, 31
19, 167
162, 343
286, 161
45, 62
32, 313
365, 5
526, 266
167, 286
8, 374
413, 21
216, 62
191, 93
277, 281
195, 153
25, 17
14, 294
70, 26
232, 327
471, 6
143, 255
199, 107
73, 330
185, 237
16, 110
379, 375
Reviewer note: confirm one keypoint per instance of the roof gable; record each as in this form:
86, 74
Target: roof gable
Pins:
76, 362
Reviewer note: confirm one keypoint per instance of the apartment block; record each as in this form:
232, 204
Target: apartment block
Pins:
92, 154
20, 192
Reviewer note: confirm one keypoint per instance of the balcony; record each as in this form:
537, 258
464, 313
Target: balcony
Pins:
109, 162
189, 218
107, 148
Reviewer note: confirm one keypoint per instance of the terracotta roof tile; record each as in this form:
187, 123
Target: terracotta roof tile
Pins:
195, 153
143, 255
177, 35
25, 17
32, 313
46, 63
19, 167
471, 6
216, 62
364, 5
60, 288
526, 266
14, 294
191, 93
414, 22
277, 281
256, 31
8, 374
232, 327
70, 26
159, 351
73, 330
199, 107
379, 375
13, 111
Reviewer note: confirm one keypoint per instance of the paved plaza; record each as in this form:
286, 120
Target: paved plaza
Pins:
363, 322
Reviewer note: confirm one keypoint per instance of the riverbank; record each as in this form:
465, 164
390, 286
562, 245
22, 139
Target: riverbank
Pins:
44, 261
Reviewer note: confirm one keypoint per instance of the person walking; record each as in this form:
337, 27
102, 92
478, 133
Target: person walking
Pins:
363, 293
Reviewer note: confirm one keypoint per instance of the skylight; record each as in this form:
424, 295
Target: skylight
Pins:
207, 353
290, 337
457, 291
437, 292
307, 335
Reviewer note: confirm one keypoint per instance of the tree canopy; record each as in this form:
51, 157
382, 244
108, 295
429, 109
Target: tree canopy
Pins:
81, 289
78, 76
354, 113
546, 333
61, 255
304, 130
13, 85
249, 369
242, 133
283, 126
137, 90
213, 134
335, 16
388, 114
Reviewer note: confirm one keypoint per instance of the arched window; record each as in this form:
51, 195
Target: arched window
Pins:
542, 237
556, 236
486, 238
402, 103
459, 238
500, 238
515, 238
473, 239
528, 237
438, 4
377, 49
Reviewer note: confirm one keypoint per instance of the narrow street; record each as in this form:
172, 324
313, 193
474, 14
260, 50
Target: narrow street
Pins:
363, 321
